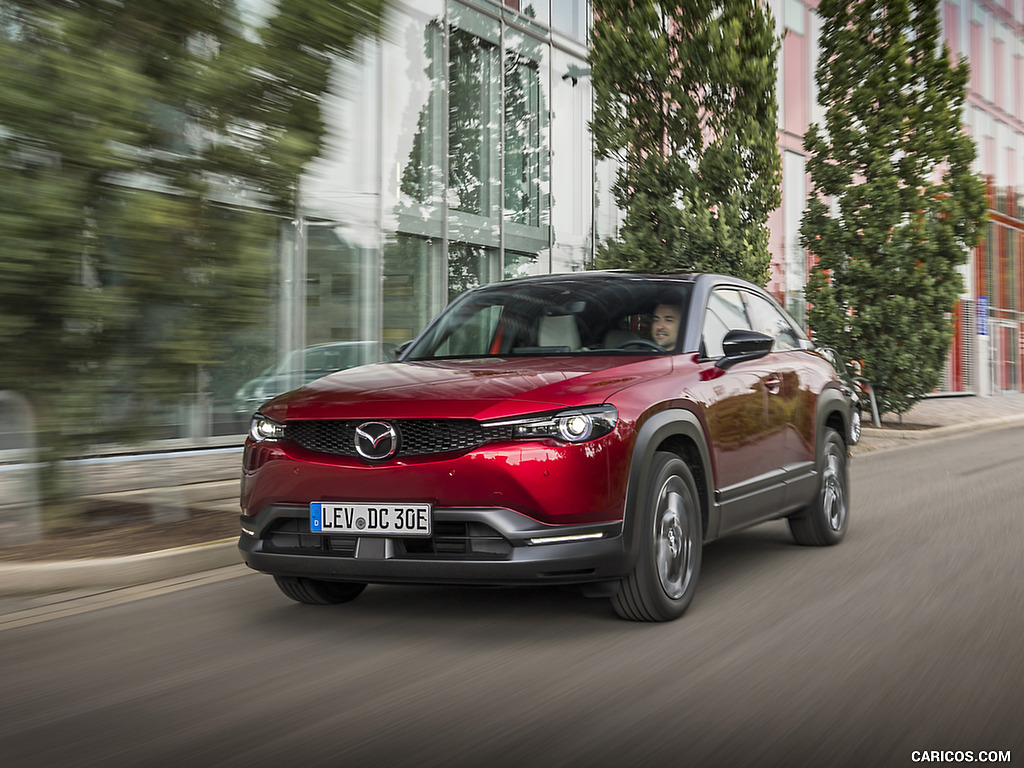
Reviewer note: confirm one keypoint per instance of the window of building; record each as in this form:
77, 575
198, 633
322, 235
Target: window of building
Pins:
998, 67
413, 286
951, 20
570, 18
525, 129
794, 15
471, 265
338, 293
798, 69
981, 53
498, 150
534, 10
794, 199
413, 172
1016, 76
474, 103
519, 265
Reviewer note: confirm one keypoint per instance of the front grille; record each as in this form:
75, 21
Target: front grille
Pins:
417, 437
450, 541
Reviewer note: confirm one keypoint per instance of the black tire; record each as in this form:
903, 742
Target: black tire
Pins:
316, 592
824, 522
662, 583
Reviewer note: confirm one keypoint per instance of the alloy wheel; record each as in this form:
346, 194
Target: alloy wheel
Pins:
673, 540
833, 501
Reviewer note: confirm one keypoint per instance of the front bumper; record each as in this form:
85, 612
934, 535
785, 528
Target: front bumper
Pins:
497, 547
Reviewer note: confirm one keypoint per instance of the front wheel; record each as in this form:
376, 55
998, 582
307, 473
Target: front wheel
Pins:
824, 521
316, 592
662, 583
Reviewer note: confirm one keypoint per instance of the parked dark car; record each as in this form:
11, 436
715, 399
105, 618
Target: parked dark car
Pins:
534, 433
853, 390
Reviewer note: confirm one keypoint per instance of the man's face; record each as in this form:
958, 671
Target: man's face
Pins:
665, 325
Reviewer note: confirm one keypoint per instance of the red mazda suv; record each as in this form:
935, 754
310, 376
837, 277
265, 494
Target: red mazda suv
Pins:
592, 429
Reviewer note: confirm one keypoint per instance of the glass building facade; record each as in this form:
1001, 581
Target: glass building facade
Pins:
442, 171
458, 153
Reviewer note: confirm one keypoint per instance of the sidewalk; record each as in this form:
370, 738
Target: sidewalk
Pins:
933, 418
941, 416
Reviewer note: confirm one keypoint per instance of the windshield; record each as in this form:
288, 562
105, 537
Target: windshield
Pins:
560, 317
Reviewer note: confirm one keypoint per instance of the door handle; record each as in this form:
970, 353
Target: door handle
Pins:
773, 384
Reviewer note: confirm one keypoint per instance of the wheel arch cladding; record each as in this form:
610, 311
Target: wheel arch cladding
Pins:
832, 412
676, 431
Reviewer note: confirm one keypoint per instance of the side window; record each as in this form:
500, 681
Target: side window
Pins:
766, 318
725, 313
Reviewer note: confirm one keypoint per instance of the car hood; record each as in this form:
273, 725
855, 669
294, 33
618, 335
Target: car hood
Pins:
480, 388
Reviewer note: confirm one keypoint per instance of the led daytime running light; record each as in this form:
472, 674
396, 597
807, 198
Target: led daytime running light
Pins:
565, 539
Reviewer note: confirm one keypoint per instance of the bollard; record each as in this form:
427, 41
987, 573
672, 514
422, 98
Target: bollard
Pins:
864, 385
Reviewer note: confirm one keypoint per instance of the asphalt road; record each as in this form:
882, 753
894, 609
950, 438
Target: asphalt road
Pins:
905, 638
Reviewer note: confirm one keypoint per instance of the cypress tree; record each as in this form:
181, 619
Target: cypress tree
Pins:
684, 101
894, 207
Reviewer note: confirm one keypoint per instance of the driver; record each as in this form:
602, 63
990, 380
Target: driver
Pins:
665, 323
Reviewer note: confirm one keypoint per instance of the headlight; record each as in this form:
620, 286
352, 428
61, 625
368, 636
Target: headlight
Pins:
263, 428
576, 425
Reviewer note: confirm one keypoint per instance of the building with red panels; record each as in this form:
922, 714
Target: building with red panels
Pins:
988, 351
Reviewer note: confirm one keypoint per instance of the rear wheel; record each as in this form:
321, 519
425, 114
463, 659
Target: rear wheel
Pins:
662, 583
316, 592
823, 523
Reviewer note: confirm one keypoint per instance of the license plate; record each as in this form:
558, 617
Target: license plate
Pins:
370, 519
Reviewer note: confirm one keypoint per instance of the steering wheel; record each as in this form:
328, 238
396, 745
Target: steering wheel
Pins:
642, 343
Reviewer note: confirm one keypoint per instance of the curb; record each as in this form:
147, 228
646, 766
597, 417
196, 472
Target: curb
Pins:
125, 571
890, 438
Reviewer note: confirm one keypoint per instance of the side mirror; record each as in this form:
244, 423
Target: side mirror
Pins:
744, 345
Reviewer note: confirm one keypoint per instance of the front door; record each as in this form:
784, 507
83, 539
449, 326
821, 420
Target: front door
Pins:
745, 441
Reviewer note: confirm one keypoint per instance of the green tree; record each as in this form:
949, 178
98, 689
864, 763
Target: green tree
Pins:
684, 100
894, 208
148, 150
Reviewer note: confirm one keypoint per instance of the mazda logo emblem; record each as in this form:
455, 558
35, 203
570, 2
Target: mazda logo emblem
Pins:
376, 440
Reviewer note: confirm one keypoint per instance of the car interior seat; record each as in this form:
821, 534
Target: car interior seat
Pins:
616, 337
559, 331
